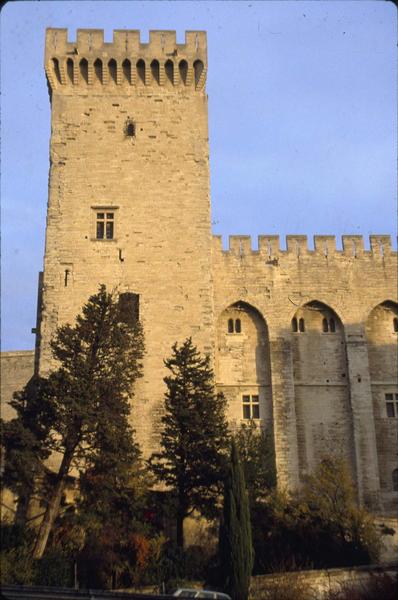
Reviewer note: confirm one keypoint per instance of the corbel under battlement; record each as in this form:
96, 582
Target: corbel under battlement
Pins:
297, 245
125, 62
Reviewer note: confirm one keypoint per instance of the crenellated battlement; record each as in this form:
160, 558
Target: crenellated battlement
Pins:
297, 245
125, 62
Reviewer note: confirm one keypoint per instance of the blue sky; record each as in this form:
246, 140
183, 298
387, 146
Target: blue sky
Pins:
302, 118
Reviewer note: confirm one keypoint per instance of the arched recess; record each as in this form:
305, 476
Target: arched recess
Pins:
70, 70
382, 342
321, 388
126, 69
98, 70
141, 71
169, 70
198, 70
83, 70
56, 68
183, 69
112, 68
242, 365
155, 71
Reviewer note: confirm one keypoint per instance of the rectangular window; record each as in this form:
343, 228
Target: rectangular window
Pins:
391, 405
251, 406
104, 225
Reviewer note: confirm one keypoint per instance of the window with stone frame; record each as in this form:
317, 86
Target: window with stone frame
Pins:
251, 406
105, 224
391, 405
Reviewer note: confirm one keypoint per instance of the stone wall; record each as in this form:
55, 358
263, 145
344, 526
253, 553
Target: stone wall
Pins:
317, 584
16, 369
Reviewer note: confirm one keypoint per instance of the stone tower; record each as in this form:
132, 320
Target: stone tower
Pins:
129, 190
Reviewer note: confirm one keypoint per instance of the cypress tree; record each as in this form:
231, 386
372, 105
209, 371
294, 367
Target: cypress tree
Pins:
194, 438
235, 544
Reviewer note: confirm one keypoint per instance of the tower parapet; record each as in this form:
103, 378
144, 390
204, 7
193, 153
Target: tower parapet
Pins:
324, 245
125, 62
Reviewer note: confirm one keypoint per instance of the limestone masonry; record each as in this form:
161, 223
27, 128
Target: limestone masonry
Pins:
303, 341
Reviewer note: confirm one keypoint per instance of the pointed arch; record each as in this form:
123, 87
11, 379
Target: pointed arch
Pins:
141, 70
112, 69
98, 70
198, 70
126, 69
83, 65
155, 70
183, 70
56, 69
169, 70
70, 68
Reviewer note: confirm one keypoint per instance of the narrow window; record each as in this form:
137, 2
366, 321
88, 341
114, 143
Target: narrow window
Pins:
230, 326
332, 325
294, 325
66, 277
301, 325
69, 69
57, 72
251, 406
395, 480
183, 68
198, 68
84, 70
169, 69
130, 129
141, 71
395, 324
126, 66
390, 409
155, 71
98, 70
112, 67
325, 325
105, 225
238, 327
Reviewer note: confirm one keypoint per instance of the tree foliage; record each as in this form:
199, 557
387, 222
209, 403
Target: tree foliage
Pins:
80, 412
321, 527
257, 456
194, 437
235, 545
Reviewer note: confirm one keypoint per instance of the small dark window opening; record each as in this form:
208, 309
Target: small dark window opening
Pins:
66, 277
325, 325
84, 70
126, 65
183, 68
395, 325
155, 70
230, 326
238, 327
57, 72
112, 66
169, 69
129, 308
198, 69
98, 70
294, 325
69, 69
141, 70
130, 129
332, 325
301, 325
395, 480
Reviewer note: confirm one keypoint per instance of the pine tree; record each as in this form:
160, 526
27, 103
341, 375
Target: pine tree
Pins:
235, 545
99, 360
194, 437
